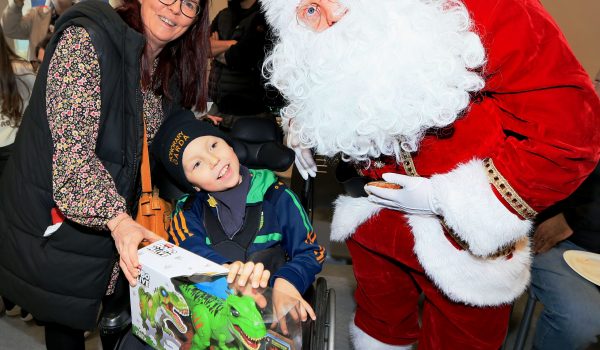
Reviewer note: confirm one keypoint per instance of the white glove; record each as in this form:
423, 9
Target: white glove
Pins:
305, 162
415, 196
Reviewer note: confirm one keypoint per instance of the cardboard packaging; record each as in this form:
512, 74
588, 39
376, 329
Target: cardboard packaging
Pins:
183, 301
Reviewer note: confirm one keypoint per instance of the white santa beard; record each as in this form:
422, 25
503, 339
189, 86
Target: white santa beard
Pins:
384, 73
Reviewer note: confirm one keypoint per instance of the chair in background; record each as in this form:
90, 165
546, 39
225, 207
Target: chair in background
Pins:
525, 321
525, 324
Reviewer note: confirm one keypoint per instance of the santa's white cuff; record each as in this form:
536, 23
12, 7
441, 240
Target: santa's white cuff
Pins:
348, 214
470, 208
464, 277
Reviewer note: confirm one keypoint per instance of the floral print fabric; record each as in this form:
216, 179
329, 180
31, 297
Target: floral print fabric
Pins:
84, 191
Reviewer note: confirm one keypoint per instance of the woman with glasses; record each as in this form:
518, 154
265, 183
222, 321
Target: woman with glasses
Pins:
71, 186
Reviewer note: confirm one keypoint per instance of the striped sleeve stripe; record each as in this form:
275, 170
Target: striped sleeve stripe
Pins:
305, 220
320, 254
172, 234
266, 238
183, 224
180, 226
177, 227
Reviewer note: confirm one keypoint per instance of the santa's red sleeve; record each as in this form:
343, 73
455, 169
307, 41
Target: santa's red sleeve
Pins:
549, 112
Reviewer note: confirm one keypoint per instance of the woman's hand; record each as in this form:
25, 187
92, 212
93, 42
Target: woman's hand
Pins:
256, 273
286, 298
128, 235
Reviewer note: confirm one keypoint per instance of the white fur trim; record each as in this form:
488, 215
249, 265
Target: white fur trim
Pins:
464, 277
469, 206
348, 214
362, 340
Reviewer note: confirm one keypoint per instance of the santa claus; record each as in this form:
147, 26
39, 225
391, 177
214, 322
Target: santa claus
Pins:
478, 109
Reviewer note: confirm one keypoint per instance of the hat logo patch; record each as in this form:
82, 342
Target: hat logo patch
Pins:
175, 148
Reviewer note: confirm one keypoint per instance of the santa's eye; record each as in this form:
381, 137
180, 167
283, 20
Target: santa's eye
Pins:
309, 15
318, 15
311, 10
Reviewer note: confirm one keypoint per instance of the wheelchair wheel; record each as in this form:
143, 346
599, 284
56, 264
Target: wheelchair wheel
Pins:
318, 328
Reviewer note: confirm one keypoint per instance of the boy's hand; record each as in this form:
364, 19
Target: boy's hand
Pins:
235, 275
128, 235
259, 277
286, 298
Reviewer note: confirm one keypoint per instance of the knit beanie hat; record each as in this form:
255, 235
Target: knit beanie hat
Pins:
174, 136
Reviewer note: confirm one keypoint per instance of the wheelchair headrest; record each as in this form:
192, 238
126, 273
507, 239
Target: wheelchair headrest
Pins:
258, 143
256, 130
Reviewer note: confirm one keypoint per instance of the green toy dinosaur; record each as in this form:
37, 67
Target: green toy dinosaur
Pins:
170, 304
233, 322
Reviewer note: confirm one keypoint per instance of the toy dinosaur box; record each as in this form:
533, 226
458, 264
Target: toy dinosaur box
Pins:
183, 301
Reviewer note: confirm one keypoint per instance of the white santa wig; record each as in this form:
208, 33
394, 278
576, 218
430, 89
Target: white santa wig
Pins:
379, 78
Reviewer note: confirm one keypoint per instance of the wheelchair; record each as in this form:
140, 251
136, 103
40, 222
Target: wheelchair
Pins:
258, 143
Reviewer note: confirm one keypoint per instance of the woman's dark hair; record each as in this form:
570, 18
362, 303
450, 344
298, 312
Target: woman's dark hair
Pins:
184, 59
12, 102
42, 44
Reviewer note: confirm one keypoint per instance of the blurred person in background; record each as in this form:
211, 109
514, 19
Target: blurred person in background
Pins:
16, 83
571, 315
35, 24
40, 50
239, 39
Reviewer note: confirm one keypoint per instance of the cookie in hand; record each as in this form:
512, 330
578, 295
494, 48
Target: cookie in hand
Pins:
383, 184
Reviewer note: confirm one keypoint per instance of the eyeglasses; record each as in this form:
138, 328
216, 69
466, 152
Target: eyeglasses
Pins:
189, 8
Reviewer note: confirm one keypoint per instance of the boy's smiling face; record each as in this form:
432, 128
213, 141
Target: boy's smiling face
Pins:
210, 164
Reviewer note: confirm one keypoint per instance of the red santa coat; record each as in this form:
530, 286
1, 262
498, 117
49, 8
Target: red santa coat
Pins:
526, 141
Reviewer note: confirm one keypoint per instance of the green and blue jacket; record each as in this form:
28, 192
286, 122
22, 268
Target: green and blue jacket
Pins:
283, 222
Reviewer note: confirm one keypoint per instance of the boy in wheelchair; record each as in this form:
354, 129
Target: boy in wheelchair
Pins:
244, 219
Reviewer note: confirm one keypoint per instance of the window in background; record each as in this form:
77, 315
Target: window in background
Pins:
21, 47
